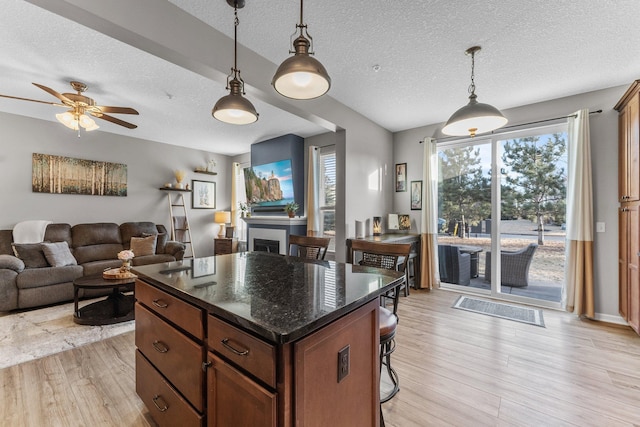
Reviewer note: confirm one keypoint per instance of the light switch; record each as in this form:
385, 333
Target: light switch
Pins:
600, 227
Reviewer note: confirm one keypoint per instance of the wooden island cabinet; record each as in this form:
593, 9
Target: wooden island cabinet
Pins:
266, 340
629, 196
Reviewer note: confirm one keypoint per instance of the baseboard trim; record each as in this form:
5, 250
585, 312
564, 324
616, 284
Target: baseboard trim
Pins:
610, 318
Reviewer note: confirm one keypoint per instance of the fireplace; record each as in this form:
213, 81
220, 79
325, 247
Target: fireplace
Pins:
266, 245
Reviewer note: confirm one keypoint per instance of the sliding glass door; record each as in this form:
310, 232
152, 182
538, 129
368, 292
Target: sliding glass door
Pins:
501, 215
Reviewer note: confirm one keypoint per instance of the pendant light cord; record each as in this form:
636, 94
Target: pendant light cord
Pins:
236, 22
472, 87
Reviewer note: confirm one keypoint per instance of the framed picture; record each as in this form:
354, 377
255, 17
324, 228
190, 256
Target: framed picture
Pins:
228, 232
204, 194
404, 222
401, 177
203, 267
416, 195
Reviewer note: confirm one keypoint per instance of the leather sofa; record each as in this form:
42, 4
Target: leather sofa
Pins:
95, 248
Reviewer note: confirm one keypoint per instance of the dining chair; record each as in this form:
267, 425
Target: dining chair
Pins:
308, 246
385, 255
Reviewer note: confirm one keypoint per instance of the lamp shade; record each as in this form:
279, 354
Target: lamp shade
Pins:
222, 217
474, 118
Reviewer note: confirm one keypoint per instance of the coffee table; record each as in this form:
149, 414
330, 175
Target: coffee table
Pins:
117, 307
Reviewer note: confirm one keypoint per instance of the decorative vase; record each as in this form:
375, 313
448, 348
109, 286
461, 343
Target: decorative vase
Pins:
126, 265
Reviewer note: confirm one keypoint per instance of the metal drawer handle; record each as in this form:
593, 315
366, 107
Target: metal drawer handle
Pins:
225, 342
164, 404
160, 347
157, 303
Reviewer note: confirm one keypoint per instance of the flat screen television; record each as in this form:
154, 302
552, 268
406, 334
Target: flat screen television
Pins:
269, 186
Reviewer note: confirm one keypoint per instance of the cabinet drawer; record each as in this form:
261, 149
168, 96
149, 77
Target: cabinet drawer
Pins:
174, 354
166, 406
249, 353
183, 314
222, 246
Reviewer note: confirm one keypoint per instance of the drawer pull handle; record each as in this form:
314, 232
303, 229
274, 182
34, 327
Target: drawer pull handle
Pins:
225, 342
164, 404
158, 304
160, 347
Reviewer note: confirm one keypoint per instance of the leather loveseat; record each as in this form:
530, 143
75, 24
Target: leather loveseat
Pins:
29, 279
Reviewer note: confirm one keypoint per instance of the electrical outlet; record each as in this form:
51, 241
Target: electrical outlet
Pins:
600, 227
343, 363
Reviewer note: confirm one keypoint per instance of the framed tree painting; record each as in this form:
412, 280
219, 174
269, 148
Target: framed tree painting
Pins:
416, 195
401, 177
204, 195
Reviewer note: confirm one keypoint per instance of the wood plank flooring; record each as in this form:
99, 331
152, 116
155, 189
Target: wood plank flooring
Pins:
456, 368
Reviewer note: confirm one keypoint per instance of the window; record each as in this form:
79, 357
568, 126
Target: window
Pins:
241, 197
328, 193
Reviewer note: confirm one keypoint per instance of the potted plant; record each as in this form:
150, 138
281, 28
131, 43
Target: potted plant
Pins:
244, 210
291, 208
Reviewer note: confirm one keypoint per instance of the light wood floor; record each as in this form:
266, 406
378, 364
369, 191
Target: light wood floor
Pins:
456, 368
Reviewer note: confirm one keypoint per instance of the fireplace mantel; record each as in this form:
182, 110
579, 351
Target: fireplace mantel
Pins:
284, 221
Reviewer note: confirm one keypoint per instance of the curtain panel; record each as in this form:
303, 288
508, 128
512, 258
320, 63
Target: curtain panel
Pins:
578, 292
428, 234
313, 193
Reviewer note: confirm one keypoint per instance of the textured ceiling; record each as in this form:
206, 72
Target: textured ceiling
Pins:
531, 52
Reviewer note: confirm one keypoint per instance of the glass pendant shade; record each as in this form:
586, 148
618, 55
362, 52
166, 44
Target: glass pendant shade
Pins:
474, 118
73, 121
235, 108
301, 76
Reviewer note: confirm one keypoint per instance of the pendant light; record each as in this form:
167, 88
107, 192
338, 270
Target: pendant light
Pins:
474, 117
234, 108
301, 76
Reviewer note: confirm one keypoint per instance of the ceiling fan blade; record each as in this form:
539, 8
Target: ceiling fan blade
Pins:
114, 120
56, 94
34, 100
117, 110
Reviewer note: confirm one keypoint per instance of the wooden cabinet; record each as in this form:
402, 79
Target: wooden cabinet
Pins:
225, 245
629, 196
236, 400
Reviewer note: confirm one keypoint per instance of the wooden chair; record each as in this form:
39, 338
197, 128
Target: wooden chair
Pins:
385, 255
308, 246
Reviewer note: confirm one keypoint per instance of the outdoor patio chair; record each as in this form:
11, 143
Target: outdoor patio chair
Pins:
514, 270
455, 266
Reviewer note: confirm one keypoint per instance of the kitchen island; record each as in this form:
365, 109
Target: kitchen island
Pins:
259, 339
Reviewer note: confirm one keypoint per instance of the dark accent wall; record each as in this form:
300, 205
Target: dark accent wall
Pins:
288, 146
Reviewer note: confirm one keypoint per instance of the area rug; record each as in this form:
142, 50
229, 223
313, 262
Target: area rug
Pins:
32, 334
516, 313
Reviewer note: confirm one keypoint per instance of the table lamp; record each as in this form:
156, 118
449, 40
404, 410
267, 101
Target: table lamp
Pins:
222, 218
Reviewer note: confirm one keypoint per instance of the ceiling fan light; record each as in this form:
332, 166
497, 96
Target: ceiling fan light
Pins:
88, 123
474, 118
68, 119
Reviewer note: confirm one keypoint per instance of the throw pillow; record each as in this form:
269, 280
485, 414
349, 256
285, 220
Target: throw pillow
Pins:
31, 254
142, 246
58, 254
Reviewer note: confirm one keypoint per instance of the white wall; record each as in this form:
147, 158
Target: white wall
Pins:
604, 152
149, 166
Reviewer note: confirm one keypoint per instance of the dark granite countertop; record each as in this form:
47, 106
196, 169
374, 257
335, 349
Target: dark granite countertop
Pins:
279, 298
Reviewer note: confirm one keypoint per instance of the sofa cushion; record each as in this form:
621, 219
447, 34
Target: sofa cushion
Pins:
136, 229
103, 252
58, 254
98, 233
143, 245
58, 232
9, 262
39, 277
31, 254
6, 238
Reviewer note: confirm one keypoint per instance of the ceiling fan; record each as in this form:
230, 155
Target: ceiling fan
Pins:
79, 106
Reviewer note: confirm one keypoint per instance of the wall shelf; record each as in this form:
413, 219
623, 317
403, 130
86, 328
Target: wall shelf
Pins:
174, 189
206, 172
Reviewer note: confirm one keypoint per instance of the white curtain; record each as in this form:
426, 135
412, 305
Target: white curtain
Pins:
578, 293
429, 275
234, 194
313, 193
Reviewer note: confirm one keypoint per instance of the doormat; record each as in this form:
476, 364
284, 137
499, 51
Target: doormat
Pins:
516, 313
